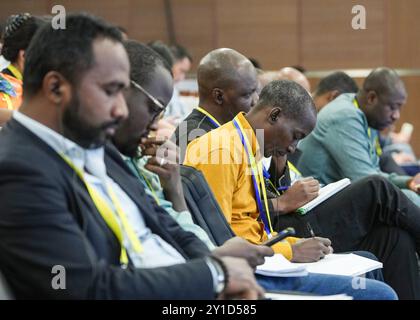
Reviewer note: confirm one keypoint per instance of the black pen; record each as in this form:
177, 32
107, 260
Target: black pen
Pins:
311, 231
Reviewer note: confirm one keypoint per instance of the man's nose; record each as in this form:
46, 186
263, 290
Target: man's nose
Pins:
396, 115
120, 109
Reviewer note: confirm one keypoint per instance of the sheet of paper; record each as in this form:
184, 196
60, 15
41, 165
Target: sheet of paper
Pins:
338, 264
279, 266
292, 296
342, 264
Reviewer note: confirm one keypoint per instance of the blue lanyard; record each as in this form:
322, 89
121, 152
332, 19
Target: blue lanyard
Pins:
265, 173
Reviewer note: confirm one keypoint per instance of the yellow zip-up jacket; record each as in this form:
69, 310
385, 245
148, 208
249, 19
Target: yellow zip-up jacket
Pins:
221, 157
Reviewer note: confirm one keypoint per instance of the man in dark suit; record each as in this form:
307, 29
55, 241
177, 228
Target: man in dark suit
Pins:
74, 222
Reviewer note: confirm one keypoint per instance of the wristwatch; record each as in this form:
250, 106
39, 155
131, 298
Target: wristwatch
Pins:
217, 268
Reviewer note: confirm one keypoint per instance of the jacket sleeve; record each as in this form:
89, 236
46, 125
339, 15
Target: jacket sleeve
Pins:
350, 147
38, 231
192, 246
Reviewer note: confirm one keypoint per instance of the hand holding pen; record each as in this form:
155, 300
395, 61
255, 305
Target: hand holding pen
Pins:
297, 195
311, 231
311, 249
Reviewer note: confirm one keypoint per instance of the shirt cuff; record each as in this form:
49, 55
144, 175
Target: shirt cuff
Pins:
400, 181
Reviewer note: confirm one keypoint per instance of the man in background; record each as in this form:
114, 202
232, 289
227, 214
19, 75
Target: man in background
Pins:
177, 109
345, 142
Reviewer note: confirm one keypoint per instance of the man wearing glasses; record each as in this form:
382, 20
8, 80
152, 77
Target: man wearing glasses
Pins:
153, 170
158, 172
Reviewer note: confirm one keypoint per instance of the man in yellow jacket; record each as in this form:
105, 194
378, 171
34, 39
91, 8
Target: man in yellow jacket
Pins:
230, 159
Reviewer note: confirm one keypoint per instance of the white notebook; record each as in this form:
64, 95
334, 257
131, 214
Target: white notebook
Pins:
324, 193
297, 296
279, 266
348, 264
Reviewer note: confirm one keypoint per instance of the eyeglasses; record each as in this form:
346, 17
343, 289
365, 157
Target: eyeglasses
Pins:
159, 106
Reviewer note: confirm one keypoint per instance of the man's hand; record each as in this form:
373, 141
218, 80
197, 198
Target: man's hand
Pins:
241, 281
414, 184
164, 162
311, 249
300, 193
238, 247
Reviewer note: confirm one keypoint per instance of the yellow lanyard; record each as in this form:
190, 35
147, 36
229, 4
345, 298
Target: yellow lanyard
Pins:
140, 175
293, 168
273, 187
8, 101
213, 119
109, 216
377, 144
149, 185
257, 171
16, 73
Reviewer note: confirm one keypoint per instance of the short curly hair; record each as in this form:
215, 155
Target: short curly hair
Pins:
290, 97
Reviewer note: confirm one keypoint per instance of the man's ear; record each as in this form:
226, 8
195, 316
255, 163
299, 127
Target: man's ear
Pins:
21, 59
372, 97
274, 114
218, 96
332, 95
56, 88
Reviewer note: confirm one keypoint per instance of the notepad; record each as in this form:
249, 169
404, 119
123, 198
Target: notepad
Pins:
298, 296
348, 264
279, 266
324, 193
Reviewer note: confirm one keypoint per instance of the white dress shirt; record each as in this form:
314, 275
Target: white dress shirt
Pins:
156, 252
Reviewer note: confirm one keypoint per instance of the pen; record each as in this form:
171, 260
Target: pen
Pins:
283, 188
311, 231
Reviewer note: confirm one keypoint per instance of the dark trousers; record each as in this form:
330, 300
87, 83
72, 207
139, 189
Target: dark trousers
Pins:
373, 215
396, 249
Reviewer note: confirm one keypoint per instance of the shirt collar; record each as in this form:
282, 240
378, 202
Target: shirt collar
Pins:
60, 144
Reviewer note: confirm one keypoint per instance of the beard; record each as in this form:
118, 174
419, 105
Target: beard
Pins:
130, 148
79, 130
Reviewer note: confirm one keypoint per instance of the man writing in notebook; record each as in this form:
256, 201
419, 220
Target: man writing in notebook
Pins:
361, 223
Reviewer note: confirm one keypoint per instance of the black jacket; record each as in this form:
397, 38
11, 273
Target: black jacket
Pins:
47, 218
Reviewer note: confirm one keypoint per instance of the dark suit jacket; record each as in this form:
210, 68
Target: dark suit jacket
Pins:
47, 218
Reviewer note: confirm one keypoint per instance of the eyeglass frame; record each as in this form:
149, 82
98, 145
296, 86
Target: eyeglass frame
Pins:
161, 108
